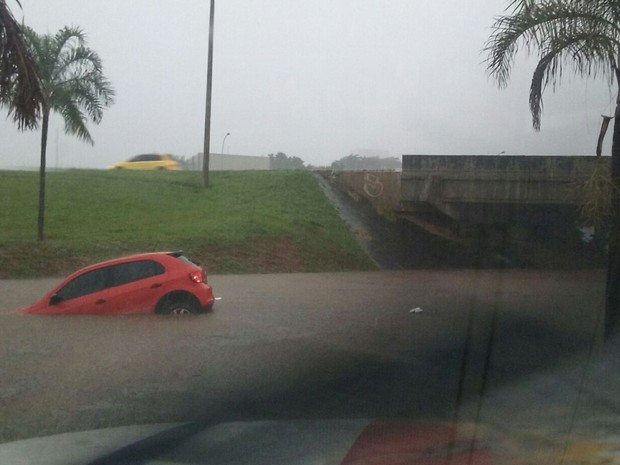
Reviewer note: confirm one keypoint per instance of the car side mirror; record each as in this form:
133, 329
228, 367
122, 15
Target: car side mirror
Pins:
55, 299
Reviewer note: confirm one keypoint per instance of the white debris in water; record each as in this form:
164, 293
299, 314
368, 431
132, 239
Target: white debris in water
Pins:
416, 310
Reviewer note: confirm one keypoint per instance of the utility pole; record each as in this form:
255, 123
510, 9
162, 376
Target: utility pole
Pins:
207, 143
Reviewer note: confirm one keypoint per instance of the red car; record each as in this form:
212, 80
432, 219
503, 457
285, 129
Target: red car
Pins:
163, 282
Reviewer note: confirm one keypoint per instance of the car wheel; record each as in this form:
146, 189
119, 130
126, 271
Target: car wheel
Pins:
179, 307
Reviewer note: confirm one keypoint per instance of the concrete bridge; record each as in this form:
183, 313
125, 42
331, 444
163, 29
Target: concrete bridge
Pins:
454, 195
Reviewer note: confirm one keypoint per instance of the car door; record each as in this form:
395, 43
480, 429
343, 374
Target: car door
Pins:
86, 293
135, 287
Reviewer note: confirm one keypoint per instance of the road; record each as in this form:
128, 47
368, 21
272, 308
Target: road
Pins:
402, 344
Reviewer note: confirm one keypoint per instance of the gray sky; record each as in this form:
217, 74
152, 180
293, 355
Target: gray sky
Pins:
318, 80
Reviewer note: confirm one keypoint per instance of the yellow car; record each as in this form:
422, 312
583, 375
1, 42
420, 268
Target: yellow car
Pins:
150, 161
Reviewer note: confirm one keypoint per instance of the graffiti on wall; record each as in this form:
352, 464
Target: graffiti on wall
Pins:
372, 185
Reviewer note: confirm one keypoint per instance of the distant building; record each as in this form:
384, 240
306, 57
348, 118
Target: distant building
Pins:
226, 162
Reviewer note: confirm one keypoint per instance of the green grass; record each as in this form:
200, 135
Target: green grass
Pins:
246, 222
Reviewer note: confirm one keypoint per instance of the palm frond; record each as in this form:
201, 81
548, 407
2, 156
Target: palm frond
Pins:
66, 39
20, 87
587, 54
75, 61
40, 47
73, 79
92, 94
74, 119
580, 35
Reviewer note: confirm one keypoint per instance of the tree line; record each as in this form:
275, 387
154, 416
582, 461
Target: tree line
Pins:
281, 161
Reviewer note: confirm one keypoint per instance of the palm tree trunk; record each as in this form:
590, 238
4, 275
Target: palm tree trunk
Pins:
612, 294
44, 126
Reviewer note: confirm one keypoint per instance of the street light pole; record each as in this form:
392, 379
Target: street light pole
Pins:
227, 134
207, 141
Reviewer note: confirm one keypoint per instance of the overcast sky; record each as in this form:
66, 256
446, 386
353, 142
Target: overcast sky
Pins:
318, 80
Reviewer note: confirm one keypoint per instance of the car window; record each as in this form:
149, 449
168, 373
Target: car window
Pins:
183, 258
84, 284
152, 158
124, 273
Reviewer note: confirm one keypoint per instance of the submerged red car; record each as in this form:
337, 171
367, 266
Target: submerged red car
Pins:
160, 282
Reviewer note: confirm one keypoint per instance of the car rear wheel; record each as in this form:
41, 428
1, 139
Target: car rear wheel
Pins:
180, 311
184, 306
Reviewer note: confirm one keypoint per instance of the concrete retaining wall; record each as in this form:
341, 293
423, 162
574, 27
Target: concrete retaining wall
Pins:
481, 189
549, 180
381, 188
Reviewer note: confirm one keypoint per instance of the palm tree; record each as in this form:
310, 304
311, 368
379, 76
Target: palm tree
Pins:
583, 37
20, 88
73, 85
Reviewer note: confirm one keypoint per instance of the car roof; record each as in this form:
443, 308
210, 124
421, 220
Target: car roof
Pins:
129, 258
162, 156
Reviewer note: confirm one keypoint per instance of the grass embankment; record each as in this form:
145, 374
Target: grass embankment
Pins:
246, 222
